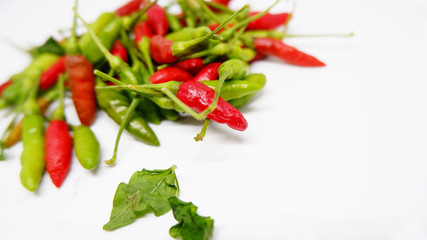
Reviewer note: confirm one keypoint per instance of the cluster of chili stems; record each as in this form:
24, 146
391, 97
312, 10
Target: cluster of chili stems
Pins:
141, 64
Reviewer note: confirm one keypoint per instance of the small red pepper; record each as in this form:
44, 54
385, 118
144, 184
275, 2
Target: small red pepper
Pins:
209, 72
142, 29
192, 65
198, 96
50, 76
160, 49
268, 21
4, 85
291, 55
129, 8
58, 149
119, 50
258, 56
170, 74
223, 2
157, 19
82, 87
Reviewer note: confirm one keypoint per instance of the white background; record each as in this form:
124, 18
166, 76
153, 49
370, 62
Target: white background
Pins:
333, 153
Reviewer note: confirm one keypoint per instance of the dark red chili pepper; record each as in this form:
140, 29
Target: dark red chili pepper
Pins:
129, 8
209, 72
50, 76
4, 85
192, 65
291, 55
81, 79
157, 19
170, 74
142, 29
160, 49
198, 96
82, 87
268, 21
119, 50
58, 151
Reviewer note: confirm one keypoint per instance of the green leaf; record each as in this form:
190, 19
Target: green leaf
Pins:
146, 191
50, 46
191, 226
126, 204
157, 187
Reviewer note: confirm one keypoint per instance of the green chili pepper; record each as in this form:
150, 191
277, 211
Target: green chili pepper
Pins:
233, 89
32, 158
108, 35
86, 147
115, 104
245, 54
188, 33
100, 23
239, 102
174, 23
169, 114
150, 110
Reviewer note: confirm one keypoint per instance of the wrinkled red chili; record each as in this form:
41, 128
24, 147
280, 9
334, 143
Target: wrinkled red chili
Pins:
198, 96
157, 19
192, 65
119, 50
160, 50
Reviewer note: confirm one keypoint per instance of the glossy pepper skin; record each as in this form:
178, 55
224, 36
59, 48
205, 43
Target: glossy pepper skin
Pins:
129, 8
86, 147
115, 104
142, 29
50, 76
32, 157
209, 72
160, 49
170, 74
119, 50
268, 21
291, 55
157, 19
58, 150
82, 87
198, 96
192, 65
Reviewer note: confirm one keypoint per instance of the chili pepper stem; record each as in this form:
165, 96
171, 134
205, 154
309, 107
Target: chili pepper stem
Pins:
202, 134
178, 48
125, 122
212, 106
108, 77
321, 35
182, 105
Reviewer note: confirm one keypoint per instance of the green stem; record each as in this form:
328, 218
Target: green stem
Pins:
212, 106
73, 44
108, 77
220, 7
233, 29
124, 123
202, 134
178, 48
209, 12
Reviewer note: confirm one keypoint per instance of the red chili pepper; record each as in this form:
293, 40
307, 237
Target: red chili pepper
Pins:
268, 21
82, 87
4, 85
170, 74
291, 55
258, 56
50, 76
129, 8
192, 65
119, 50
209, 72
142, 29
156, 18
198, 96
160, 49
58, 149
223, 2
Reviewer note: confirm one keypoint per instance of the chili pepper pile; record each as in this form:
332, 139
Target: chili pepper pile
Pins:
140, 64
